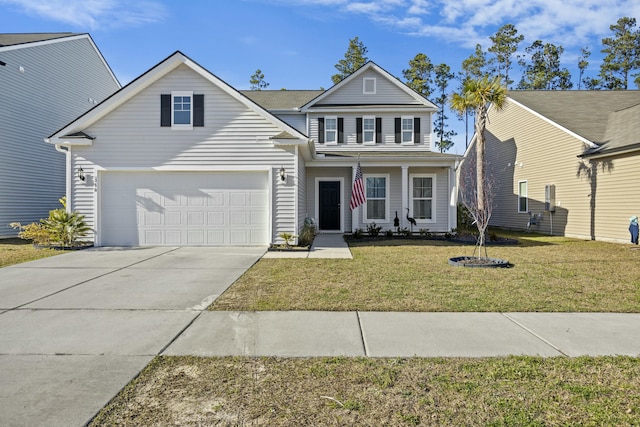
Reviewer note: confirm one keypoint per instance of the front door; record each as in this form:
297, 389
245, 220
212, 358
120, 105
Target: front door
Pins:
329, 205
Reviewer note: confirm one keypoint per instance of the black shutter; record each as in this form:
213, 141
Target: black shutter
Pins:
416, 130
198, 110
359, 130
398, 130
320, 130
165, 110
378, 130
340, 130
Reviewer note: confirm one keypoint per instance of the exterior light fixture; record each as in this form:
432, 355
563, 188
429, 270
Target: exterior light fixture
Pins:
81, 176
282, 174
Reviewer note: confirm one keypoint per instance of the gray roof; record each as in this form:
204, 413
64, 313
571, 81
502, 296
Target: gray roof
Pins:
21, 38
281, 100
607, 118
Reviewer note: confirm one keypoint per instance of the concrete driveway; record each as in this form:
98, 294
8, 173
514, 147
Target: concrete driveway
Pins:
76, 328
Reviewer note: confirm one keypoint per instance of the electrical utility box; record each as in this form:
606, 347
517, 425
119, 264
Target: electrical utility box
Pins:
550, 197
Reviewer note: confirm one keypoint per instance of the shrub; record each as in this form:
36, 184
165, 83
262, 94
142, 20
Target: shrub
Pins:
307, 234
373, 230
61, 228
358, 234
389, 233
287, 237
465, 221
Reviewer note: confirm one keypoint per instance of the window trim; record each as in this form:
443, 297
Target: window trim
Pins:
364, 85
525, 196
402, 130
433, 197
373, 131
175, 125
326, 140
387, 181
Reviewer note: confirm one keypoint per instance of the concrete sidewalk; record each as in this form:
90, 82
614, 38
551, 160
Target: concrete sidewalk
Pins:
383, 334
324, 246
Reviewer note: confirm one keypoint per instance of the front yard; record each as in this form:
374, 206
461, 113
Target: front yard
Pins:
552, 274
14, 251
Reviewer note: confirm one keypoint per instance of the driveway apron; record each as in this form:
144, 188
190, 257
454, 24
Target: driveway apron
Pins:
77, 327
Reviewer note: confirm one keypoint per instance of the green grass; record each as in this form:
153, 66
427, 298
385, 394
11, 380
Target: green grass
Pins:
550, 274
16, 251
513, 391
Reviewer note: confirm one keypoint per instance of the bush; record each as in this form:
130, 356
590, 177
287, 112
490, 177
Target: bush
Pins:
358, 234
389, 233
465, 221
373, 230
62, 228
307, 234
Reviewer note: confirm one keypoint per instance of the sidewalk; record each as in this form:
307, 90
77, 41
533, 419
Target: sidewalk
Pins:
385, 334
324, 246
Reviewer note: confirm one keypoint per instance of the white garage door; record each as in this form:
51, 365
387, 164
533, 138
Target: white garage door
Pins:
183, 208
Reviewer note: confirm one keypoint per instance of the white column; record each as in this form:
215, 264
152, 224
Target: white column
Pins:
405, 194
453, 199
355, 223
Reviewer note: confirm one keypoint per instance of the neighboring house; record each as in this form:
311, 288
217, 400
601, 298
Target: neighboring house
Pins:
46, 80
179, 157
578, 151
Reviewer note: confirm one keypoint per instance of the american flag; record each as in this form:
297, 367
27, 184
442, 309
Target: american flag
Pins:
357, 192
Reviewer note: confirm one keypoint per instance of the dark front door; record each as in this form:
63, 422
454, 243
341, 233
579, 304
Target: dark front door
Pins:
329, 205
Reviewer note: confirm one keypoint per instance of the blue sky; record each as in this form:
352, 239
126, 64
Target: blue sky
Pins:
296, 43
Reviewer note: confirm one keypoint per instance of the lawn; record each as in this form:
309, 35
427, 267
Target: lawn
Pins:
513, 391
15, 251
549, 274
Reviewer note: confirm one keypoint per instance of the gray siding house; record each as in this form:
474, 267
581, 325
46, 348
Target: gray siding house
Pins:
571, 158
179, 157
46, 80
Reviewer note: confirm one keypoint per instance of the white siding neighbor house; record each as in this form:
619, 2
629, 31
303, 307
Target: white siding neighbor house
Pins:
179, 157
46, 80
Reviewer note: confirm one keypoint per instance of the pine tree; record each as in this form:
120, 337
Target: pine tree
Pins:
354, 58
583, 63
622, 54
257, 81
443, 76
544, 72
419, 75
505, 45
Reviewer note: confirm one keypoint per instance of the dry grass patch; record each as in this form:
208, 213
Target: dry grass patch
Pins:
523, 391
16, 251
549, 274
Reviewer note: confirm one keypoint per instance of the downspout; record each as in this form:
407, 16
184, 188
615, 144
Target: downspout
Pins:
67, 152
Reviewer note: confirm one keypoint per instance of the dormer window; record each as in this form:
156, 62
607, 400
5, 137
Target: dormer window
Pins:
369, 86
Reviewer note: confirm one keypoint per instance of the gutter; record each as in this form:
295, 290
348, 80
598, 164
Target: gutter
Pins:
67, 179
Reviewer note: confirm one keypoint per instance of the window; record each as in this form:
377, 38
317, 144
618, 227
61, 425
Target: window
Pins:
331, 130
377, 194
369, 86
422, 197
523, 200
407, 130
182, 110
369, 130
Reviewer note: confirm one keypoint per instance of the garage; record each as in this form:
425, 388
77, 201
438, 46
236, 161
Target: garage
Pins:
183, 208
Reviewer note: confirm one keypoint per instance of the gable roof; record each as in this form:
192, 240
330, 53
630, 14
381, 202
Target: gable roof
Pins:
61, 137
281, 100
366, 67
585, 113
12, 39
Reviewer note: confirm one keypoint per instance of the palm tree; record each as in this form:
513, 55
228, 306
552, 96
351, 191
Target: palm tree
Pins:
478, 94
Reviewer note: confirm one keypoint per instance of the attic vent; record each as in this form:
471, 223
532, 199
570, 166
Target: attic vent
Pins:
369, 86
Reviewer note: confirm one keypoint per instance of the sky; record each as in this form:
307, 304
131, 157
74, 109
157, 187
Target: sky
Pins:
296, 43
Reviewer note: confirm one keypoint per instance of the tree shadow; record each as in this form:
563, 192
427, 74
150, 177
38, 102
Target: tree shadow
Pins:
590, 169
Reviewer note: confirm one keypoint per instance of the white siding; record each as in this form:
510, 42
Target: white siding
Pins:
56, 85
352, 93
296, 121
234, 138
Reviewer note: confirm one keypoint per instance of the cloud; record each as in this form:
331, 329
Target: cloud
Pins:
93, 13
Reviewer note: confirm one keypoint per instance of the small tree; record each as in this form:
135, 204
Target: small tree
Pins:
257, 81
479, 94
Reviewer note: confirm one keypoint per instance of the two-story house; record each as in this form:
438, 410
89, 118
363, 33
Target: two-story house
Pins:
179, 157
46, 80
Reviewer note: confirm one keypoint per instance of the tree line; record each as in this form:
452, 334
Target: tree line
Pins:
541, 64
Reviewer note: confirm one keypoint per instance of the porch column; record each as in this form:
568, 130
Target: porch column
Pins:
355, 223
453, 202
405, 194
